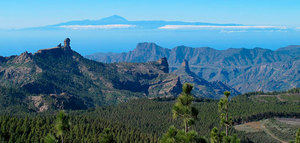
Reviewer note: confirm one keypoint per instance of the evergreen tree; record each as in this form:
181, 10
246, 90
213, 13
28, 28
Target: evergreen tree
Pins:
62, 125
218, 136
297, 140
215, 136
183, 107
50, 139
106, 136
223, 109
174, 135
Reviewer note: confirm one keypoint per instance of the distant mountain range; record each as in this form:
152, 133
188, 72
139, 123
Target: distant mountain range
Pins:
60, 78
246, 70
116, 21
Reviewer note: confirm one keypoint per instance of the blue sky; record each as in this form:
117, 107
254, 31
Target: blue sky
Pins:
30, 13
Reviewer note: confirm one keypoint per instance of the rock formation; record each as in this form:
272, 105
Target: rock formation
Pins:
164, 64
67, 44
202, 87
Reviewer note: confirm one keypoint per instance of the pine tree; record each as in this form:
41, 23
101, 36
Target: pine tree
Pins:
217, 136
183, 107
106, 136
223, 109
50, 139
62, 125
297, 140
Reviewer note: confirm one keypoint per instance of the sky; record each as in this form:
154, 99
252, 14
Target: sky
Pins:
33, 13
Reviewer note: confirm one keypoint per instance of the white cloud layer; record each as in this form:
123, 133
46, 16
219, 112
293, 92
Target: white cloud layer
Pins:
113, 26
174, 27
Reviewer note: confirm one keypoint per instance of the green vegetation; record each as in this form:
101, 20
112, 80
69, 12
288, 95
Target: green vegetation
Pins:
140, 120
83, 129
297, 139
219, 136
106, 136
282, 130
183, 109
62, 125
271, 130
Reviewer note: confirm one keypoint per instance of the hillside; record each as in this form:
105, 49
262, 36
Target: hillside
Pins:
245, 70
66, 77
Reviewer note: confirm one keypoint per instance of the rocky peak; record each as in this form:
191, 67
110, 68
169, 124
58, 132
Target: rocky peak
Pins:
146, 46
67, 44
164, 63
185, 66
23, 58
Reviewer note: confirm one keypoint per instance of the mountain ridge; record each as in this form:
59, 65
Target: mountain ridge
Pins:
61, 71
244, 69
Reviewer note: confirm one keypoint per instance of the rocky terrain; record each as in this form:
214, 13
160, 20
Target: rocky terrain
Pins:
202, 87
60, 77
246, 70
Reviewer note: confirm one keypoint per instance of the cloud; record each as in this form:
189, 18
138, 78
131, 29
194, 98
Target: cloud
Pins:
174, 27
113, 26
233, 31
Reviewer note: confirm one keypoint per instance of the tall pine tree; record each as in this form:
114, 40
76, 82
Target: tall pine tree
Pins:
183, 107
62, 125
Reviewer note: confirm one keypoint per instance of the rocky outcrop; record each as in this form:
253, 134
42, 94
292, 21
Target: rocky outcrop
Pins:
62, 101
185, 66
67, 44
59, 50
18, 70
246, 70
23, 58
164, 66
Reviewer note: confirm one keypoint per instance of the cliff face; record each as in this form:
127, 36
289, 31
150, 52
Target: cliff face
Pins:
61, 70
243, 69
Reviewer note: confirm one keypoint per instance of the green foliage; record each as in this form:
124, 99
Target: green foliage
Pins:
217, 136
141, 120
183, 107
280, 129
297, 139
84, 128
106, 136
174, 135
50, 139
225, 119
62, 124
